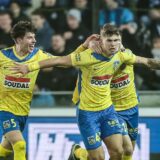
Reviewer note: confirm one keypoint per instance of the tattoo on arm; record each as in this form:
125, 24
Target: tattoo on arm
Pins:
153, 63
148, 62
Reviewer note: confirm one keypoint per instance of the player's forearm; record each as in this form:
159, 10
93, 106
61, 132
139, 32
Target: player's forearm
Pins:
48, 63
153, 63
51, 62
148, 62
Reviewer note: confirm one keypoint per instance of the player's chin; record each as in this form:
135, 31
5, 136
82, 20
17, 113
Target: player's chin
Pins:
112, 53
30, 49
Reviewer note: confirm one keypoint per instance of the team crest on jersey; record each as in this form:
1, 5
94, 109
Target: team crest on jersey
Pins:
120, 82
116, 65
101, 80
6, 124
16, 83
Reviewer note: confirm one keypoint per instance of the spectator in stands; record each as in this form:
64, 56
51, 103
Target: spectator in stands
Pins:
155, 52
54, 14
42, 99
43, 30
5, 27
4, 3
154, 15
16, 11
113, 13
129, 36
150, 78
58, 45
75, 32
58, 79
86, 12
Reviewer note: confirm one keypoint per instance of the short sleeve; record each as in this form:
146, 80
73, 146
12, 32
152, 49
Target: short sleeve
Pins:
82, 59
128, 57
44, 55
80, 49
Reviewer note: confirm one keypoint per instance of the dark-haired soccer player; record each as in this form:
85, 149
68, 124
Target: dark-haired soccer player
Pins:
97, 119
15, 92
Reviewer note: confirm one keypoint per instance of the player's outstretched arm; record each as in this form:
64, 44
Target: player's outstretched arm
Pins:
148, 62
58, 61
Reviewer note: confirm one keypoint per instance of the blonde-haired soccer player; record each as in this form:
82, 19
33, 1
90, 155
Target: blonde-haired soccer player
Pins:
97, 119
16, 92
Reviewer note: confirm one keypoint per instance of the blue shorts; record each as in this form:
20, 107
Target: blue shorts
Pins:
129, 121
97, 125
10, 122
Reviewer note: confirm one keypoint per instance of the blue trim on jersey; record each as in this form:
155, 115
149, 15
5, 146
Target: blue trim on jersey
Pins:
10, 54
79, 81
138, 97
100, 57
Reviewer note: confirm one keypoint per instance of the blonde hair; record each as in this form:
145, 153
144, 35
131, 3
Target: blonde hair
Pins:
109, 30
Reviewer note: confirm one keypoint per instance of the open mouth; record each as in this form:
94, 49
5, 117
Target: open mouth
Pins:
31, 47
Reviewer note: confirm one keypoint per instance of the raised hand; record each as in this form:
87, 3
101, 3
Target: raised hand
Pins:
95, 37
19, 69
96, 46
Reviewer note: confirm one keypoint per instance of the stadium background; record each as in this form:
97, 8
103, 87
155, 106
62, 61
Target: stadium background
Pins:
61, 26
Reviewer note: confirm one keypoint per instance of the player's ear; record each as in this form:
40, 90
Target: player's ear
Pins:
119, 46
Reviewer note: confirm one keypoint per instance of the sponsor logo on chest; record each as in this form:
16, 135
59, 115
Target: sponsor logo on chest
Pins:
17, 83
101, 80
120, 82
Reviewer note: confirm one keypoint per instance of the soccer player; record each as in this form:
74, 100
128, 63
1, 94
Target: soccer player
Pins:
97, 119
125, 100
15, 92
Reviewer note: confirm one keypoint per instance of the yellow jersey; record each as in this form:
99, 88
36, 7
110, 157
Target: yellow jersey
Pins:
123, 90
16, 93
96, 72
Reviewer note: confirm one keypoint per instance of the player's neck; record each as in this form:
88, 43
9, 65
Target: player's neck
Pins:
107, 54
20, 51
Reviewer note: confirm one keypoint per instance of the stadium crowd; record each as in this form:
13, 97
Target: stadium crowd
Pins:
62, 25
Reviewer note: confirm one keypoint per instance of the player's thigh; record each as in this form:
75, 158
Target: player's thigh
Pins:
129, 122
11, 126
109, 123
132, 123
133, 144
89, 126
14, 136
97, 154
6, 144
114, 143
127, 145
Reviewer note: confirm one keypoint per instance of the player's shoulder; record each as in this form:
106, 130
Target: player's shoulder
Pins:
126, 51
40, 51
88, 51
7, 50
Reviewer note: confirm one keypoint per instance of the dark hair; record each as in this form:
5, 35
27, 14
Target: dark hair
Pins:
21, 28
4, 12
109, 30
38, 12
